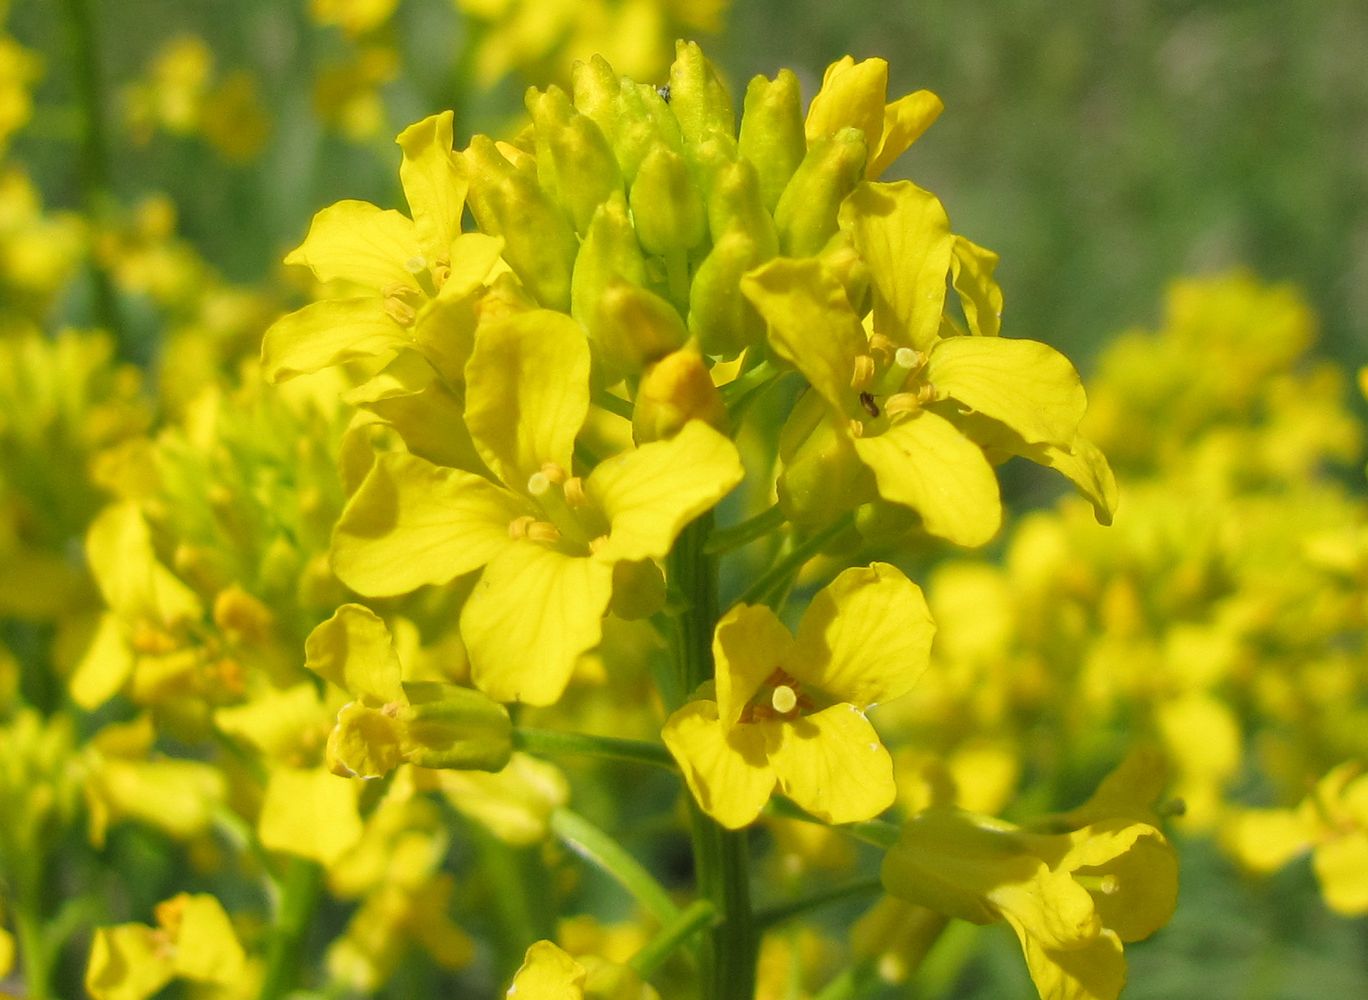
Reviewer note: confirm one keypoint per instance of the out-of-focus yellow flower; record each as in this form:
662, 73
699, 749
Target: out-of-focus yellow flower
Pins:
193, 941
355, 17
19, 68
550, 973
1331, 823
346, 93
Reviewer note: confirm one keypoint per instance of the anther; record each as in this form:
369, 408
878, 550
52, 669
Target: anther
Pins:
574, 492
901, 402
596, 544
881, 348
784, 699
517, 528
554, 474
927, 393
543, 531
863, 376
857, 428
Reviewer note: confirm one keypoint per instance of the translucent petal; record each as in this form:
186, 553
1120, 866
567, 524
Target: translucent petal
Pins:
434, 183
207, 949
1096, 971
412, 523
971, 272
903, 234
134, 584
726, 768
926, 464
127, 962
365, 743
865, 638
1028, 386
355, 241
833, 765
329, 333
904, 122
353, 649
533, 614
811, 324
527, 392
650, 493
749, 643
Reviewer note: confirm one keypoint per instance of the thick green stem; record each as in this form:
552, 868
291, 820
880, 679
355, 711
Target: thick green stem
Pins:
285, 953
794, 560
550, 743
721, 857
34, 950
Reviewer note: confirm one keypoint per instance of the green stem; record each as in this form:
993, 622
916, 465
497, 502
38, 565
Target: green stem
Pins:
94, 158
852, 982
740, 390
721, 857
33, 947
606, 854
615, 404
769, 519
794, 560
551, 742
690, 921
285, 952
771, 915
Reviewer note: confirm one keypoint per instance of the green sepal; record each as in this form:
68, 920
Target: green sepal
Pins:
723, 320
698, 97
575, 163
772, 137
806, 212
633, 327
666, 205
452, 727
734, 202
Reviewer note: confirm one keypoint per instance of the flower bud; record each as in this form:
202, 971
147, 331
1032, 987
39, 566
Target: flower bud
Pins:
666, 205
633, 327
772, 132
723, 320
596, 90
609, 253
539, 244
806, 213
676, 389
697, 95
734, 203
822, 474
644, 122
583, 172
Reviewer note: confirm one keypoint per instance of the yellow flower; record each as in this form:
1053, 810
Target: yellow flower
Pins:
852, 95
791, 712
549, 541
550, 973
1331, 823
915, 408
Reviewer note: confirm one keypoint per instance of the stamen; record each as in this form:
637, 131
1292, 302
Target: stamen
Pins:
902, 402
927, 393
554, 473
543, 531
882, 348
857, 428
864, 373
517, 528
784, 699
574, 492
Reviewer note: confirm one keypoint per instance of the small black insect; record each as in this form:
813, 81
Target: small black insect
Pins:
867, 401
664, 91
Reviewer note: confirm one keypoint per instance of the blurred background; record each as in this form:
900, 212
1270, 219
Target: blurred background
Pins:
1101, 151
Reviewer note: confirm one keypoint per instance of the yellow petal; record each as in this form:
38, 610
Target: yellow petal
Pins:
926, 464
748, 644
354, 650
127, 962
534, 612
434, 183
527, 392
650, 493
355, 241
852, 95
412, 523
1025, 384
1341, 866
1084, 465
726, 768
833, 765
207, 949
1096, 971
365, 743
175, 796
1142, 868
105, 666
328, 333
865, 638
547, 973
903, 234
811, 324
904, 122
971, 272
514, 804
272, 721
133, 582
310, 813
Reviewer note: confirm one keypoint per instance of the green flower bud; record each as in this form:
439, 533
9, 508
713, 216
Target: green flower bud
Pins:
454, 727
772, 136
723, 320
633, 327
806, 213
609, 253
539, 244
822, 474
735, 203
583, 171
698, 97
676, 389
709, 158
644, 122
666, 204
596, 93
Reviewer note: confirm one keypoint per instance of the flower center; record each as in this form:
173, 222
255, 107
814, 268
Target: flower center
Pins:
569, 515
887, 387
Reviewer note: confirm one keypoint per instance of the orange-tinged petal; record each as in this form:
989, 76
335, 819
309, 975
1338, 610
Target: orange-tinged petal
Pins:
650, 493
924, 463
358, 242
748, 644
435, 183
533, 614
327, 333
412, 523
527, 392
866, 637
726, 768
903, 234
832, 764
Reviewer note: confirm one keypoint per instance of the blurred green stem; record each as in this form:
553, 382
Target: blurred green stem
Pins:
94, 161
794, 560
606, 854
284, 954
550, 742
33, 947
